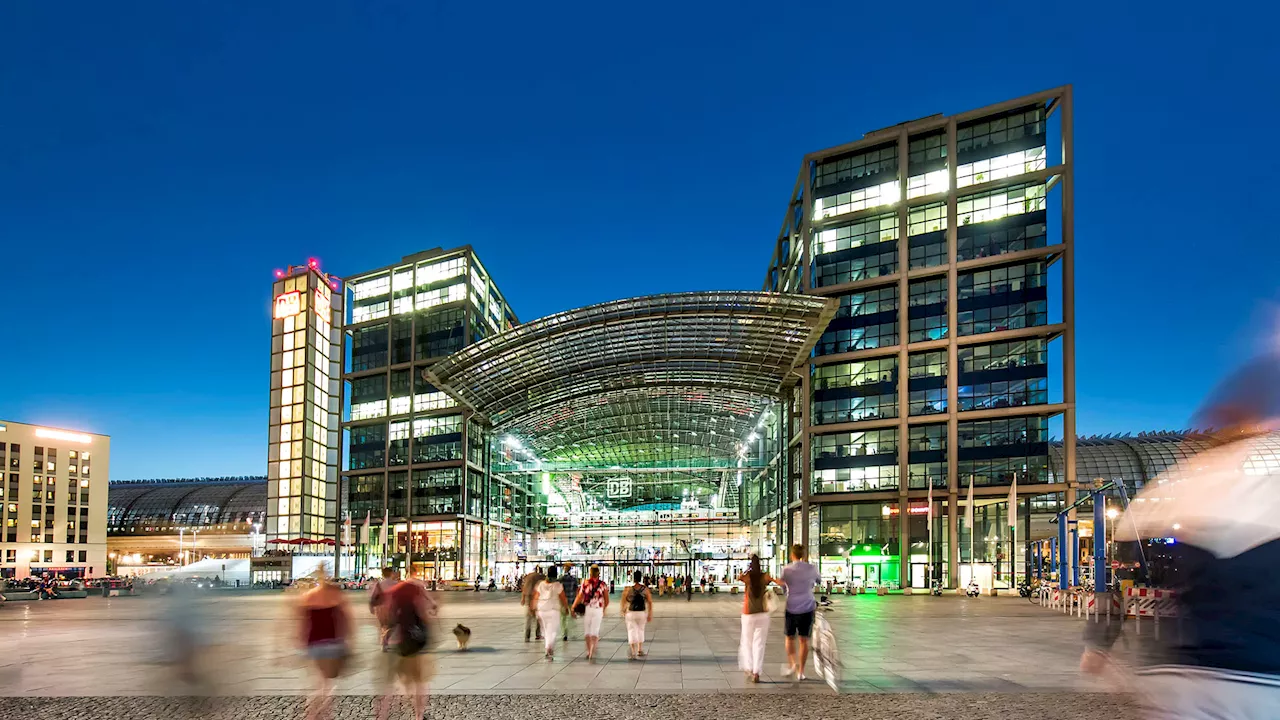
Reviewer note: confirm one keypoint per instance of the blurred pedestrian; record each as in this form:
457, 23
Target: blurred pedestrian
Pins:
1222, 507
378, 603
593, 600
325, 628
528, 585
405, 662
755, 620
570, 584
637, 610
799, 578
551, 606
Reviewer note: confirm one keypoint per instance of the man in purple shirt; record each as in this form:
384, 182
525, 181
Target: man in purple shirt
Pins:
799, 577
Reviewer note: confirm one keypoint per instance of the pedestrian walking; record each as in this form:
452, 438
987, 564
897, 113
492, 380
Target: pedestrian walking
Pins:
570, 584
551, 603
755, 620
324, 629
405, 662
637, 610
592, 599
378, 603
528, 585
799, 577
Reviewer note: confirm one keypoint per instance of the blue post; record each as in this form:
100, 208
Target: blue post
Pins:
1040, 560
1075, 556
1062, 552
1099, 542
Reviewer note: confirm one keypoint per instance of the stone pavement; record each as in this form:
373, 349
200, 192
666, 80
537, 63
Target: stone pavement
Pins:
951, 706
113, 647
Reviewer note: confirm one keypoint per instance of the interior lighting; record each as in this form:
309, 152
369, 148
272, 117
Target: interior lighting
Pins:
1177, 526
1113, 513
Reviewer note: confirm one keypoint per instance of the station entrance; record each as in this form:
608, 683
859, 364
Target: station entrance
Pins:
653, 429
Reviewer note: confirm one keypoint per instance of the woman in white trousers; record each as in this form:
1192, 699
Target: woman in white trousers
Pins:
549, 600
637, 609
755, 620
593, 598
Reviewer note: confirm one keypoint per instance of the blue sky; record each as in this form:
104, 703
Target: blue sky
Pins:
159, 160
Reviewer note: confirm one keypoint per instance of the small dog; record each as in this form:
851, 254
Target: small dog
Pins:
463, 635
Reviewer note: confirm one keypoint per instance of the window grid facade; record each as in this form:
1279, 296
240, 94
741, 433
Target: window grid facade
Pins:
968, 189
409, 460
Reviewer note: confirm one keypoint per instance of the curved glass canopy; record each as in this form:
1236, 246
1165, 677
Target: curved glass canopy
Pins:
656, 383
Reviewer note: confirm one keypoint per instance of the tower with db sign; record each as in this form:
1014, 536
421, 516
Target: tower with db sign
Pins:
302, 459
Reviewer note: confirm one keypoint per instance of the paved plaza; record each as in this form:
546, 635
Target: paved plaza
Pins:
102, 647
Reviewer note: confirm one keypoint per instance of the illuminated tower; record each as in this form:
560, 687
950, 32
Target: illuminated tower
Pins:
306, 369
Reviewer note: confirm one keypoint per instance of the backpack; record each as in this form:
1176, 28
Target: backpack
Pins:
637, 599
412, 628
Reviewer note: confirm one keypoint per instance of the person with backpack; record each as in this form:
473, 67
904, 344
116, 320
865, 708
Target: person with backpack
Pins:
411, 610
550, 602
637, 610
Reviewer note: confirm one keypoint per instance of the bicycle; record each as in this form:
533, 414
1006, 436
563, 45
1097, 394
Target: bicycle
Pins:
826, 655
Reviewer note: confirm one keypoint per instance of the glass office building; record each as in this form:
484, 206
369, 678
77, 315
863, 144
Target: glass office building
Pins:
947, 243
302, 454
416, 462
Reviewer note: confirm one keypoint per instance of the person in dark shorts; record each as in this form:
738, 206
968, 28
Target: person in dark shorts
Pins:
799, 577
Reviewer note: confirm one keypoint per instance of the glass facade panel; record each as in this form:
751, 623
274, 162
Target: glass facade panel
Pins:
864, 249
853, 391
1010, 374
855, 461
865, 320
927, 456
993, 451
1002, 298
927, 310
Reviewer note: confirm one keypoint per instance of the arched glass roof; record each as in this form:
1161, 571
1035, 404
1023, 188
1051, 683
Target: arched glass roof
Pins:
162, 505
651, 382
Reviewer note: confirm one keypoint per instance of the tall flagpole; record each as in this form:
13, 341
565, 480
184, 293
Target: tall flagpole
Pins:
929, 531
972, 530
1013, 532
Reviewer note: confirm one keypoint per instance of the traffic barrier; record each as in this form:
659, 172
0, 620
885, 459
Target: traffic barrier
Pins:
1110, 604
1154, 603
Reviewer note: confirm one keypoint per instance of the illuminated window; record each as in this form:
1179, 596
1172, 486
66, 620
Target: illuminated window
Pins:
433, 272
856, 251
855, 391
448, 294
373, 287
1015, 163
996, 204
927, 310
854, 200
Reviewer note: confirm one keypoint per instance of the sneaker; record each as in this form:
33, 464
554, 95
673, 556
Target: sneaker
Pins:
788, 671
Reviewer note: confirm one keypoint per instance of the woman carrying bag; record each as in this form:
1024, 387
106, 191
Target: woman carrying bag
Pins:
755, 620
591, 602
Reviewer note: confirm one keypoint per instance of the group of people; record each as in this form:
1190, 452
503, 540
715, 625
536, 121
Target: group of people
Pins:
549, 610
798, 579
404, 611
